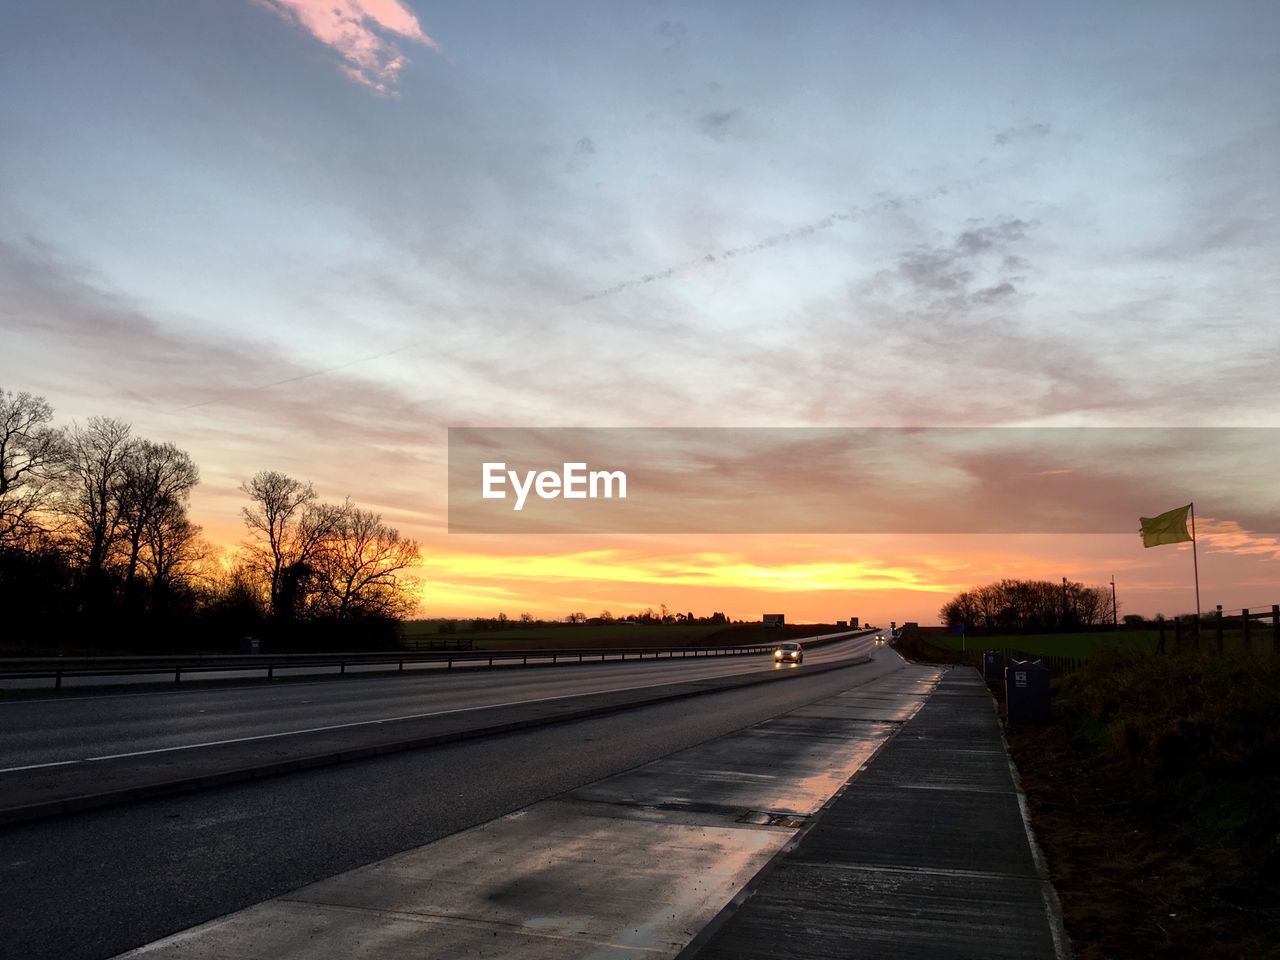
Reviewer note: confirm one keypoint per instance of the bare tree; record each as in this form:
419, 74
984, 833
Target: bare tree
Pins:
278, 502
289, 532
156, 478
29, 454
1028, 605
363, 564
93, 464
174, 551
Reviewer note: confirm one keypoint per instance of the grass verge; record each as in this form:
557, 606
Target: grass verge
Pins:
1153, 793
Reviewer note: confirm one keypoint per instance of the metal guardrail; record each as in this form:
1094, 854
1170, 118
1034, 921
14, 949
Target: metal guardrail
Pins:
58, 668
455, 643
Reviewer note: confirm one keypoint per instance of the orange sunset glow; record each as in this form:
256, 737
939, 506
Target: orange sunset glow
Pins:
378, 228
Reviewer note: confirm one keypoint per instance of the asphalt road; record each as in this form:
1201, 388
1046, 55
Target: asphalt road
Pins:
61, 730
94, 884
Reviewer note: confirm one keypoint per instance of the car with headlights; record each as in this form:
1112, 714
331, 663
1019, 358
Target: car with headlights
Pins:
788, 651
879, 639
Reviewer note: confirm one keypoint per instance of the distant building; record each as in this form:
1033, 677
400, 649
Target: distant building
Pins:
853, 622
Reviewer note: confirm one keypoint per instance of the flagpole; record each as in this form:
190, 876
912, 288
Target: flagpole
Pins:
1195, 562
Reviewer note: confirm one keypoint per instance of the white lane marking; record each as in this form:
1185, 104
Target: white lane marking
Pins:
37, 766
340, 726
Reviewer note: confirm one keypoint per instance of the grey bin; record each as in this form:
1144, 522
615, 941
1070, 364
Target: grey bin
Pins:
1026, 691
992, 665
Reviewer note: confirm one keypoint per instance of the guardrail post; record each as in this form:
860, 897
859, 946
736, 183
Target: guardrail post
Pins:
177, 674
271, 671
1244, 626
401, 670
1217, 626
342, 668
57, 680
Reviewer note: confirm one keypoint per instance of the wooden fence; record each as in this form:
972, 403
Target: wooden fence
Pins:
1254, 629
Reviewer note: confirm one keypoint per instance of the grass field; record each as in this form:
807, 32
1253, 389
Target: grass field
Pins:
1081, 645
1084, 645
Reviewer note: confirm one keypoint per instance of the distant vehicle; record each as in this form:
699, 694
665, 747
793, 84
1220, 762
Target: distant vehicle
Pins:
788, 652
879, 639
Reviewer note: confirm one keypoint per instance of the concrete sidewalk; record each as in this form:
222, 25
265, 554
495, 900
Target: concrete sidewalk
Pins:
926, 854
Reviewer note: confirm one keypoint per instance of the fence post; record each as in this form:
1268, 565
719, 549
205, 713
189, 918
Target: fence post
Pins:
1160, 643
1177, 633
1244, 625
1217, 626
1275, 627
1196, 633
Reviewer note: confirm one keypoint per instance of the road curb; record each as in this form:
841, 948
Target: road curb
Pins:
91, 801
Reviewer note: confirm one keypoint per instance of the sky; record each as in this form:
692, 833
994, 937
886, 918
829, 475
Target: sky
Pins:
313, 235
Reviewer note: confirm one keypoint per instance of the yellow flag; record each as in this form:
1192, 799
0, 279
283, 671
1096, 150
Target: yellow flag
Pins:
1169, 527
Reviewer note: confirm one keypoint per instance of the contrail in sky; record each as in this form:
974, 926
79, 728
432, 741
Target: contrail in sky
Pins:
301, 376
768, 243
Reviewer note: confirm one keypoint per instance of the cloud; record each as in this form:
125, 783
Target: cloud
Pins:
358, 30
583, 152
1025, 131
720, 124
162, 366
673, 32
950, 269
1228, 536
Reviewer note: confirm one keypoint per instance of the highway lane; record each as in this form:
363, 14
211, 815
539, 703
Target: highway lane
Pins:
62, 730
89, 885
